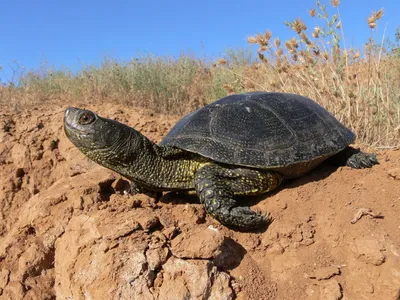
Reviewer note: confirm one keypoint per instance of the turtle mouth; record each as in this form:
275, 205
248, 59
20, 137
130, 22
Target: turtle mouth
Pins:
72, 131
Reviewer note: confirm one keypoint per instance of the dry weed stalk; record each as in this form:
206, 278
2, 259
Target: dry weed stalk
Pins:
342, 80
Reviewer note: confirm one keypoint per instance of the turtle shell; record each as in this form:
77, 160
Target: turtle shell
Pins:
261, 130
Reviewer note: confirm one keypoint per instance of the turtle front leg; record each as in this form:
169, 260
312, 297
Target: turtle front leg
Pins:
216, 187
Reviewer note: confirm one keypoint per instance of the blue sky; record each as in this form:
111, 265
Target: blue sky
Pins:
72, 33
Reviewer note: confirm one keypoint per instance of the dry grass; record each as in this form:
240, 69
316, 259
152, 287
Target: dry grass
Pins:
360, 86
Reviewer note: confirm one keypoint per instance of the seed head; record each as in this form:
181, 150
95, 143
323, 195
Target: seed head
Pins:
335, 3
221, 61
316, 32
299, 26
252, 40
262, 48
268, 35
292, 45
304, 37
277, 42
261, 40
375, 16
312, 12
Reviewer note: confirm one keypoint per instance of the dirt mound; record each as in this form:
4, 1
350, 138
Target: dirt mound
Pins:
68, 231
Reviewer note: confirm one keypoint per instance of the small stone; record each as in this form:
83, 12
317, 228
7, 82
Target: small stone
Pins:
394, 173
201, 242
158, 281
156, 257
170, 232
192, 279
275, 249
330, 290
236, 286
369, 251
395, 250
13, 290
4, 277
220, 289
149, 223
113, 228
309, 291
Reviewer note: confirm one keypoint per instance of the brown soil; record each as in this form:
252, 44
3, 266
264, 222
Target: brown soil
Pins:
67, 230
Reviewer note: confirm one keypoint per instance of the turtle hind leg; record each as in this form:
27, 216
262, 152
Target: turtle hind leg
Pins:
216, 187
362, 160
354, 158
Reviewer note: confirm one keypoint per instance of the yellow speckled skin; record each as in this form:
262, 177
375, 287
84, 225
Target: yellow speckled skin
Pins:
163, 168
217, 185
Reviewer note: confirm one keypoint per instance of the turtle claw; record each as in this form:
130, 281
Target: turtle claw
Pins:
243, 217
362, 160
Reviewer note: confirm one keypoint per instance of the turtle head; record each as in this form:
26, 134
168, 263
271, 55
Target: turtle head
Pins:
90, 132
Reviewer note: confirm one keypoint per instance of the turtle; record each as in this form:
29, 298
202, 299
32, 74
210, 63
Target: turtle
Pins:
240, 145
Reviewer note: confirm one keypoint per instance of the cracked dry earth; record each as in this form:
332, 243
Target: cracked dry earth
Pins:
67, 231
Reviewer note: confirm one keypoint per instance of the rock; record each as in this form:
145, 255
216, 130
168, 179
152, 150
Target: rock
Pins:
199, 242
221, 289
182, 215
230, 255
330, 290
19, 156
156, 257
394, 173
395, 250
86, 256
13, 291
310, 291
275, 249
170, 232
4, 278
193, 279
33, 261
396, 294
148, 220
110, 226
369, 250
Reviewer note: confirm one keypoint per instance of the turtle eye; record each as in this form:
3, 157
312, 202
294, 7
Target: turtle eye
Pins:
86, 118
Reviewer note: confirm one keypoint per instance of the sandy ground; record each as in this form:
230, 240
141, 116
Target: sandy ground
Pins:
67, 231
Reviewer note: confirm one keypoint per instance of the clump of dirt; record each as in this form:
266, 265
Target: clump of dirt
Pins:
68, 231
